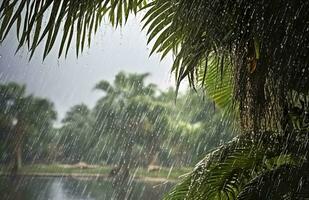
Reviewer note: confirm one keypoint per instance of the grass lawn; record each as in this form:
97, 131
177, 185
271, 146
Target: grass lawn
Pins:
61, 170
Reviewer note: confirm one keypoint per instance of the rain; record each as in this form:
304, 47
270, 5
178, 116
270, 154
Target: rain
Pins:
154, 99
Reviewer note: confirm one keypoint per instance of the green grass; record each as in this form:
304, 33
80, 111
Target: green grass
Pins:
54, 169
163, 173
57, 169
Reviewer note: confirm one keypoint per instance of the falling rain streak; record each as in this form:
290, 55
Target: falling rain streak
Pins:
240, 132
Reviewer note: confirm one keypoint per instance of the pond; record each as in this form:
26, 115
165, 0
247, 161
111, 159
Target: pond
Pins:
42, 188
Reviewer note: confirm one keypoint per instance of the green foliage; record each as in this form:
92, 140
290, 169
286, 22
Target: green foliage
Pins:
78, 20
22, 115
287, 181
198, 34
75, 136
135, 117
239, 167
221, 34
17, 105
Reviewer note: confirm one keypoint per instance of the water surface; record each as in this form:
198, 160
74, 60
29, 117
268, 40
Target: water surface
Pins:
38, 188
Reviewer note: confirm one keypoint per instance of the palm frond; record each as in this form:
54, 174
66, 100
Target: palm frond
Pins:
224, 172
77, 19
241, 39
284, 182
159, 22
218, 84
173, 29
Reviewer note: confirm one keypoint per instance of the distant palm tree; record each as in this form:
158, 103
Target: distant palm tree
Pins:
124, 111
123, 107
76, 138
25, 114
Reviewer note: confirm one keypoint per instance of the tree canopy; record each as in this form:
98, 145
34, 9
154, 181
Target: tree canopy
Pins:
265, 53
21, 115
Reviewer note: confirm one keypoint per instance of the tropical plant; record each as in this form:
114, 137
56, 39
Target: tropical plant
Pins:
23, 114
75, 134
170, 134
124, 117
123, 112
234, 170
196, 126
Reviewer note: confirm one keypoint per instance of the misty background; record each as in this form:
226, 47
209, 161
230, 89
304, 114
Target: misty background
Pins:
70, 81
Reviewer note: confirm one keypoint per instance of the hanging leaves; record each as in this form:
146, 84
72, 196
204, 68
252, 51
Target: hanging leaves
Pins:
76, 19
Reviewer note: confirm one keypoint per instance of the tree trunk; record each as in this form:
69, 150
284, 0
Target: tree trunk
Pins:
121, 174
17, 152
18, 157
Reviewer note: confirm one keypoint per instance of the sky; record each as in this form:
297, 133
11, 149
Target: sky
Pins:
70, 81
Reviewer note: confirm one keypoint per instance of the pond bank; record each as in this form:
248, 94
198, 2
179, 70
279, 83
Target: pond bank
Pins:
92, 176
97, 172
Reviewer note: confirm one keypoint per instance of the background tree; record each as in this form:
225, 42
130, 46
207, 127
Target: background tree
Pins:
75, 134
133, 125
23, 114
122, 111
155, 117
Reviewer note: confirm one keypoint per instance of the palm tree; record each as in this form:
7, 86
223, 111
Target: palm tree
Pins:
76, 139
260, 48
123, 115
123, 106
24, 114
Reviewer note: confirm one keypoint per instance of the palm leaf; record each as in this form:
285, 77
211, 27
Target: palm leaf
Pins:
284, 182
68, 15
226, 171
